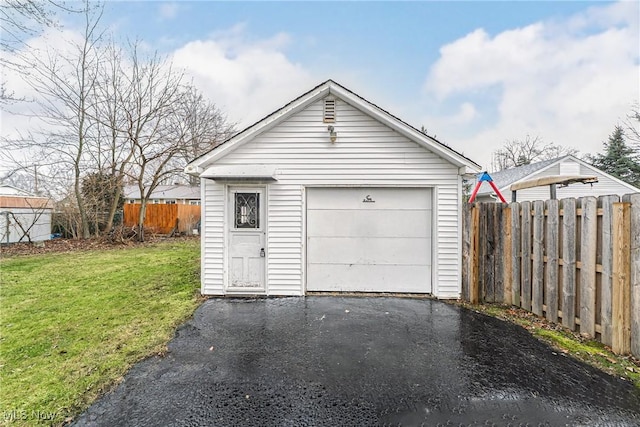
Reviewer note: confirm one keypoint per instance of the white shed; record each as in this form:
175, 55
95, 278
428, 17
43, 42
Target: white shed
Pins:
567, 165
331, 193
23, 217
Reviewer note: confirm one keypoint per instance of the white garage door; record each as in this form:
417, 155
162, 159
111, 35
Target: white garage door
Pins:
369, 239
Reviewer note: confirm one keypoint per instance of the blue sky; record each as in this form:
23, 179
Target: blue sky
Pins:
475, 74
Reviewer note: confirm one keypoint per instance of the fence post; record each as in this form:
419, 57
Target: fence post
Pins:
474, 293
621, 292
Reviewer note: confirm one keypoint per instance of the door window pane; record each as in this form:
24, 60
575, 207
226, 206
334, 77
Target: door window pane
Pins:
247, 209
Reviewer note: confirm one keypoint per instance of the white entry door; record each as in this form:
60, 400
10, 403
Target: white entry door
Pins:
369, 239
247, 251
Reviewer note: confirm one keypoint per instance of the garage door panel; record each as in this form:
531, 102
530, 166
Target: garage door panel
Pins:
368, 278
369, 251
380, 198
369, 239
369, 223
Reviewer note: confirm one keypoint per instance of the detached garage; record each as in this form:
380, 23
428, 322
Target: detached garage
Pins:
331, 193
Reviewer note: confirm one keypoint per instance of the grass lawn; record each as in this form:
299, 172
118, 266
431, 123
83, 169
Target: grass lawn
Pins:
71, 324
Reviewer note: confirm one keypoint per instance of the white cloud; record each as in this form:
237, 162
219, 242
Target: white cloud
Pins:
568, 82
247, 79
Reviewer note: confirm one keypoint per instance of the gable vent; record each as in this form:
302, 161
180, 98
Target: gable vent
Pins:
329, 114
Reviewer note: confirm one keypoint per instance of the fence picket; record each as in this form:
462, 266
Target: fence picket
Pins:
621, 291
525, 269
488, 254
537, 272
606, 261
569, 263
579, 258
474, 271
634, 270
466, 244
589, 229
517, 256
551, 249
507, 271
498, 231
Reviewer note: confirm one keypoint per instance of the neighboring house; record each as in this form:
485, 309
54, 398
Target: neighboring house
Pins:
165, 194
331, 193
561, 166
23, 216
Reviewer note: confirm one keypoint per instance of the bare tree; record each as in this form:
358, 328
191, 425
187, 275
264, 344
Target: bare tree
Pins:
19, 21
149, 98
201, 128
65, 83
112, 147
162, 122
632, 127
113, 112
529, 150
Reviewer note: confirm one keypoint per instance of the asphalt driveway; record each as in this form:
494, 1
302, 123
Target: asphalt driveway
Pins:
342, 361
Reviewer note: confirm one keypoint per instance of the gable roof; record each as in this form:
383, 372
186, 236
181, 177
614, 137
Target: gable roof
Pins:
330, 87
165, 192
505, 178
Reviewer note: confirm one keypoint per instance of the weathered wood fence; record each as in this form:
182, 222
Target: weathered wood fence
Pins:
573, 261
163, 219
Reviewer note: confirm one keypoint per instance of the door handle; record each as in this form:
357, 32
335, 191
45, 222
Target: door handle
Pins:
262, 254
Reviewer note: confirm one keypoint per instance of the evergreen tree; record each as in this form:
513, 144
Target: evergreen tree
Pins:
619, 159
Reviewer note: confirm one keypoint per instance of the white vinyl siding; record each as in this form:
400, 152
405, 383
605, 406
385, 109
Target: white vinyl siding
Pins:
284, 240
213, 235
366, 153
604, 186
569, 168
36, 221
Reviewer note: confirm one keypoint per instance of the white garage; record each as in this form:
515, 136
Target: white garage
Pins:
23, 217
369, 239
331, 193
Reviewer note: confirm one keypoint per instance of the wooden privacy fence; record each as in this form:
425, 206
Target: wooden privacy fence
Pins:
573, 261
163, 219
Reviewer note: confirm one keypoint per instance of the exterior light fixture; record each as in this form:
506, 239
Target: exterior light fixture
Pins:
333, 135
